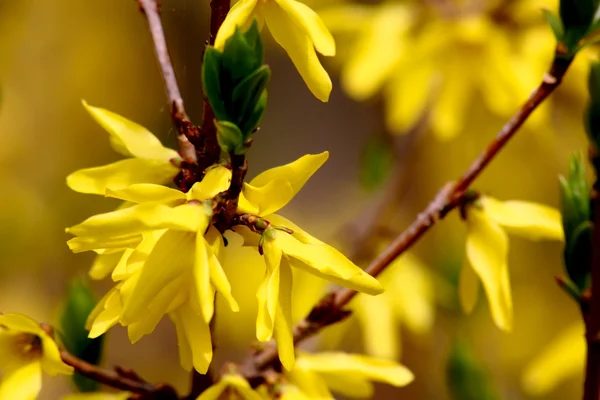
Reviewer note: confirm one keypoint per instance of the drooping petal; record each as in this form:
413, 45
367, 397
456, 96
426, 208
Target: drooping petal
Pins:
202, 294
217, 275
530, 220
105, 314
239, 15
52, 363
328, 263
308, 382
299, 46
268, 292
230, 381
563, 358
468, 288
175, 250
129, 138
197, 333
141, 218
487, 252
359, 366
22, 382
312, 25
348, 385
80, 244
378, 326
283, 318
104, 264
275, 187
121, 174
215, 181
183, 346
147, 193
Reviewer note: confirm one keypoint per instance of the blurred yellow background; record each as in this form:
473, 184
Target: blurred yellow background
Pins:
53, 54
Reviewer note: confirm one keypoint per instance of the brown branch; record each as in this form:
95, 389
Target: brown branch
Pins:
126, 380
591, 308
331, 308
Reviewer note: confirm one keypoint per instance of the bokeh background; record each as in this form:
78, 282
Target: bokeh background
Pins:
53, 54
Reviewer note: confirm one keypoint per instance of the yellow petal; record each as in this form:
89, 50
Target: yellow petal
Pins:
106, 313
299, 46
202, 294
104, 264
20, 323
308, 382
487, 251
283, 319
129, 138
346, 18
185, 351
217, 275
22, 382
141, 218
290, 392
563, 358
241, 386
80, 244
378, 326
198, 335
372, 62
52, 363
214, 392
239, 15
312, 25
298, 232
274, 188
530, 220
175, 250
359, 366
147, 193
121, 174
215, 181
268, 292
468, 288
97, 396
326, 262
348, 385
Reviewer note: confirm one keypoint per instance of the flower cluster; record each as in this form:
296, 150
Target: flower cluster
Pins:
165, 254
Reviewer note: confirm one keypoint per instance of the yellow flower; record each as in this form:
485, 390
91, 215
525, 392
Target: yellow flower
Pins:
263, 196
150, 162
296, 27
166, 227
26, 350
563, 358
314, 375
407, 301
444, 62
98, 396
230, 383
487, 249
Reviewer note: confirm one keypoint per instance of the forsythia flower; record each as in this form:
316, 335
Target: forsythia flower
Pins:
296, 27
563, 358
444, 63
230, 383
408, 301
263, 196
314, 375
150, 162
26, 350
487, 249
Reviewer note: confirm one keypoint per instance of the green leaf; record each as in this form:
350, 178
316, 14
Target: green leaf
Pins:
246, 96
211, 82
577, 17
240, 58
376, 163
229, 136
253, 120
78, 305
578, 255
575, 195
555, 24
466, 377
254, 41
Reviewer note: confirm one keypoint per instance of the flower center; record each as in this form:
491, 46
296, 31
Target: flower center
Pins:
28, 346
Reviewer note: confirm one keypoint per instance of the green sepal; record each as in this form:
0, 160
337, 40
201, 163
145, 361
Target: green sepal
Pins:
555, 24
242, 55
246, 96
254, 118
576, 215
229, 136
577, 17
211, 81
78, 305
467, 379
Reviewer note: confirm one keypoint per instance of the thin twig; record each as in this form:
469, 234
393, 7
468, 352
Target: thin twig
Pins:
119, 381
331, 307
187, 131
